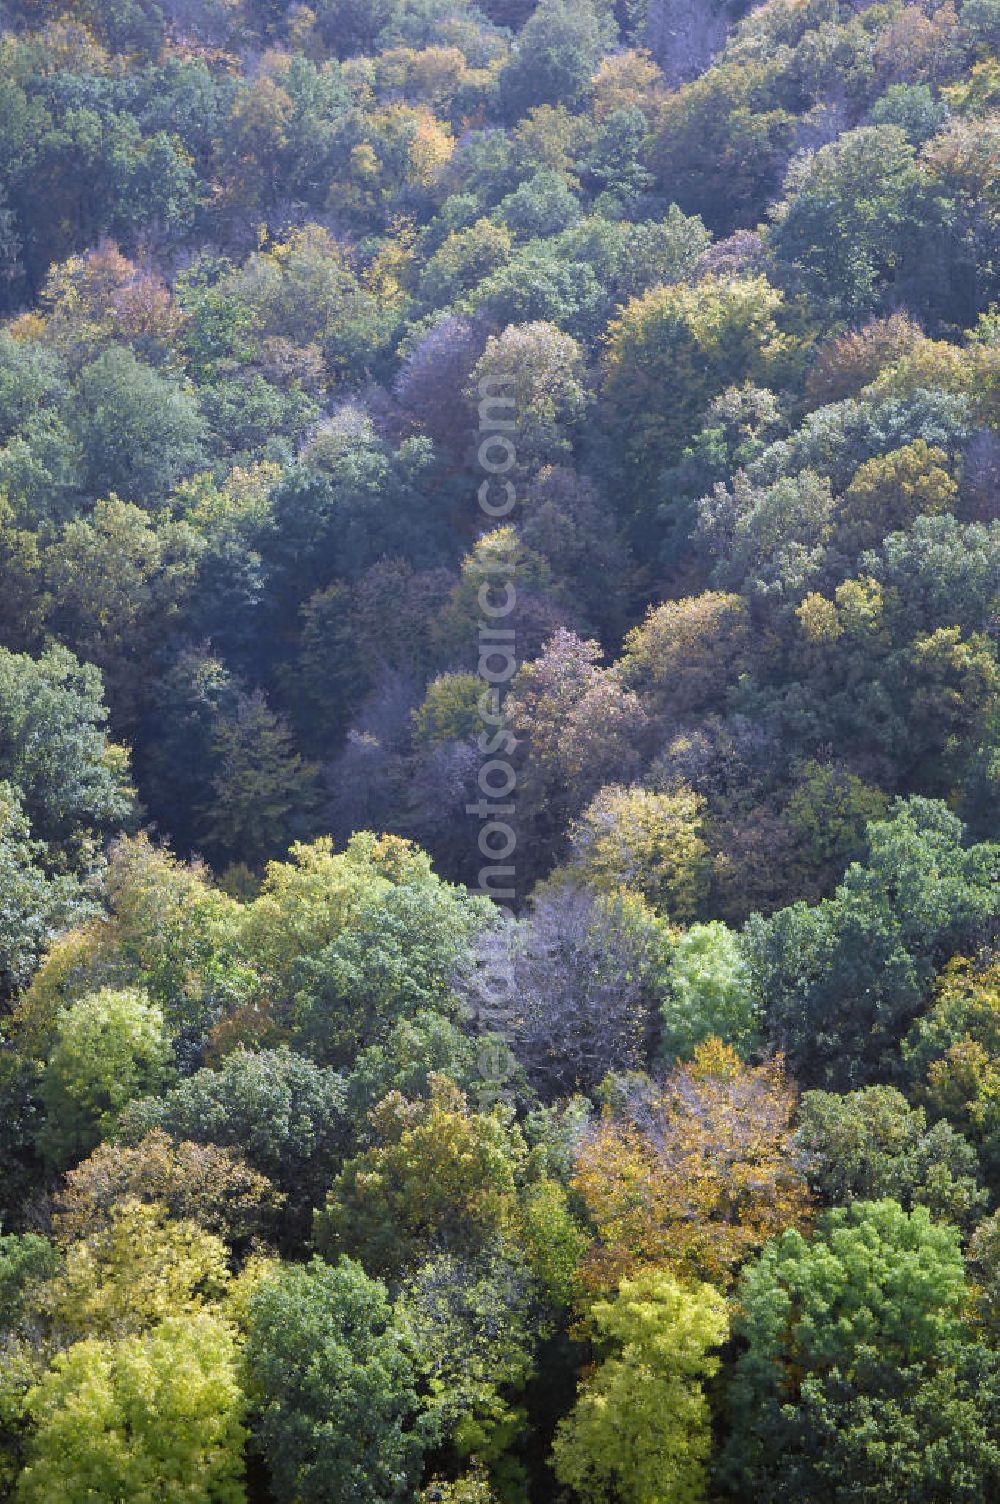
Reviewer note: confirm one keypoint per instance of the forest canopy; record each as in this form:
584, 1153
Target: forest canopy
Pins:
499, 752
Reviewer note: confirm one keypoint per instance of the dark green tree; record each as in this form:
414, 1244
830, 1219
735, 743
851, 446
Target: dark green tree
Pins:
140, 431
841, 981
54, 750
333, 1396
858, 1372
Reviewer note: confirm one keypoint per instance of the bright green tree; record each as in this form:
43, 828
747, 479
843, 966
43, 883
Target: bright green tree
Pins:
166, 929
640, 1431
110, 1047
708, 991
470, 1327
307, 901
157, 1417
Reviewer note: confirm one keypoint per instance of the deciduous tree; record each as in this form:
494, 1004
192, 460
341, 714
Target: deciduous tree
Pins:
110, 1048
695, 1175
333, 1393
140, 1418
640, 1430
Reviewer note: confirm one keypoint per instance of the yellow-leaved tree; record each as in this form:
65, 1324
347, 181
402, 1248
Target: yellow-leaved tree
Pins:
644, 842
640, 1430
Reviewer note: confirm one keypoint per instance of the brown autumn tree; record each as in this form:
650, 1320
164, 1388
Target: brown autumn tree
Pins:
200, 1183
694, 1174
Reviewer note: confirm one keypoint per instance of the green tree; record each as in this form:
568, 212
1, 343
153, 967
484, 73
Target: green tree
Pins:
870, 1144
553, 1240
640, 1430
281, 1112
952, 1054
157, 1416
829, 810
120, 586
21, 1117
179, 752
708, 992
22, 611
140, 431
263, 792
33, 905
109, 1048
31, 376
437, 1174
469, 1325
559, 49
398, 955
167, 930
412, 1053
27, 1264
462, 259
449, 710
847, 216
722, 141
840, 982
539, 282
53, 748
543, 205
669, 353
858, 1370
137, 1269
333, 1395
768, 542
307, 902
